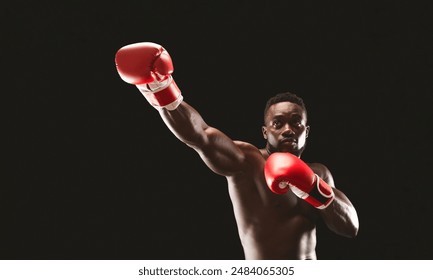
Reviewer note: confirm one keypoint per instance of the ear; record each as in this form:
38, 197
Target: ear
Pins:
264, 132
307, 131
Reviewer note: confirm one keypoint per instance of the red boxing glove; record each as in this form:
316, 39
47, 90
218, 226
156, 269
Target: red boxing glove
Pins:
149, 67
285, 170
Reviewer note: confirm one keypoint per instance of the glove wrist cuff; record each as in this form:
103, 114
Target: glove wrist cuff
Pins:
164, 94
322, 193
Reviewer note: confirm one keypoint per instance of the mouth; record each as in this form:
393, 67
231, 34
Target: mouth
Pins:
289, 141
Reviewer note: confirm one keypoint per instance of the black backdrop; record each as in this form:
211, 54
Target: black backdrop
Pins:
95, 174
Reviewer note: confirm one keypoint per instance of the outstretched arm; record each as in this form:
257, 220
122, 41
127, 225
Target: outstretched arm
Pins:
149, 66
216, 149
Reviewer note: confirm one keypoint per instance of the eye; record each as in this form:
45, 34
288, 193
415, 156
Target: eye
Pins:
276, 123
297, 123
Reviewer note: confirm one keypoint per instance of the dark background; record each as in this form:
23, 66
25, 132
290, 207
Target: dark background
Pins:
95, 174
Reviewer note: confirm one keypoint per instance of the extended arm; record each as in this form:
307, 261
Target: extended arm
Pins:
149, 67
217, 150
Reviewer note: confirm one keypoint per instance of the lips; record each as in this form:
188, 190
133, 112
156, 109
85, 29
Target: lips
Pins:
289, 140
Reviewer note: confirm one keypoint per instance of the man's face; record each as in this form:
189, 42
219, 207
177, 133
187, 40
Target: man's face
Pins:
286, 128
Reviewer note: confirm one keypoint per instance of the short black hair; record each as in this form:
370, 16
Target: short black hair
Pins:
282, 97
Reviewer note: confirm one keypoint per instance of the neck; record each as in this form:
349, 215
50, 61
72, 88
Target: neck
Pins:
270, 150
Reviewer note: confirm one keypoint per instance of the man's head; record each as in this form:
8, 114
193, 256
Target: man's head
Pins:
285, 124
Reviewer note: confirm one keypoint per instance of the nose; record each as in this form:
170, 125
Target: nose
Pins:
288, 132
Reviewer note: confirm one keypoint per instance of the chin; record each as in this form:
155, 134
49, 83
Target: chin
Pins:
295, 152
287, 150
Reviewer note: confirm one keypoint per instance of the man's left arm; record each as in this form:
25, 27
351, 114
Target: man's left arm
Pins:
314, 184
340, 215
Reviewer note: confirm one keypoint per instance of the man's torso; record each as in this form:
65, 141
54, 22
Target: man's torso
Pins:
270, 226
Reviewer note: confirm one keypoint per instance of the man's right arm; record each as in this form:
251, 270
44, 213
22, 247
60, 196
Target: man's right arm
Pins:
149, 67
217, 150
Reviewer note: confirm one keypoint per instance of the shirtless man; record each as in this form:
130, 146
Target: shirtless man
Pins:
274, 220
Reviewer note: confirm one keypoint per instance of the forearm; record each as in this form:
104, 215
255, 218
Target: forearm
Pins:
340, 216
186, 124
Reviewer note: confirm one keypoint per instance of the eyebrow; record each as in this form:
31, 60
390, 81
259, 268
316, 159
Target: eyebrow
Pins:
293, 114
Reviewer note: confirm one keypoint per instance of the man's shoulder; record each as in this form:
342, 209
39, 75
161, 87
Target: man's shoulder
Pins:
244, 145
322, 170
317, 165
248, 149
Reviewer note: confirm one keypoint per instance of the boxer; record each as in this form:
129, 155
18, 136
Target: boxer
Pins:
277, 198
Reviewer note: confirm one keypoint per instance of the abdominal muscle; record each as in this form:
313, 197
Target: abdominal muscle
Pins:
272, 226
285, 242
